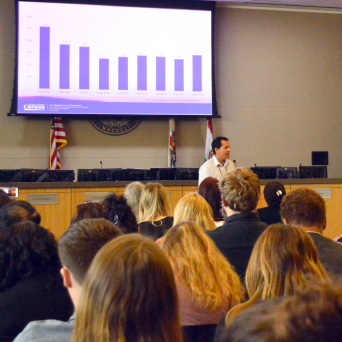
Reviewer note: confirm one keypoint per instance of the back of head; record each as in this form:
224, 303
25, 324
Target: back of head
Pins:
120, 213
15, 212
132, 194
304, 208
210, 191
88, 210
216, 143
240, 190
79, 244
129, 295
200, 267
274, 192
193, 207
4, 198
26, 249
312, 314
154, 202
282, 259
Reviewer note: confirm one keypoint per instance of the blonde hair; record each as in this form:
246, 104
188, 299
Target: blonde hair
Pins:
129, 295
193, 207
240, 190
200, 266
154, 202
282, 259
132, 194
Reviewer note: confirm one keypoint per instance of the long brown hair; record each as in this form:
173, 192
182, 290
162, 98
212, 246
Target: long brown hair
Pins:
282, 259
129, 295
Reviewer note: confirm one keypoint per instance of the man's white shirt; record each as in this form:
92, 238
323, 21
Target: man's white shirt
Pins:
213, 168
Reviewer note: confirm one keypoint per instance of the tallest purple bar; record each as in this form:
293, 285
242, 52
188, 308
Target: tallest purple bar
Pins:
44, 58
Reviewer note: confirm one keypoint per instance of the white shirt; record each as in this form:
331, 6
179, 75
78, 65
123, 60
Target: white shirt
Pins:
213, 168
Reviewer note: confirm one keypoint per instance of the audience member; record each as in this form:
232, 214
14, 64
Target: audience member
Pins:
77, 248
15, 212
31, 286
206, 283
193, 207
273, 192
240, 191
210, 191
132, 194
129, 295
282, 259
305, 208
120, 213
312, 314
154, 211
88, 210
4, 198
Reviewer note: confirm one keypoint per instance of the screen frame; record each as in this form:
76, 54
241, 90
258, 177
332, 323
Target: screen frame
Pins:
165, 4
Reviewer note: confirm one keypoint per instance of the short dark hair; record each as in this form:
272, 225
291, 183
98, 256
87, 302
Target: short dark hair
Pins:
117, 210
26, 249
79, 244
88, 210
304, 208
312, 314
16, 212
217, 143
274, 192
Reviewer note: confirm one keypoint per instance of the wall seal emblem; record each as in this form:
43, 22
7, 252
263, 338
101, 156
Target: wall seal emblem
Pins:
118, 126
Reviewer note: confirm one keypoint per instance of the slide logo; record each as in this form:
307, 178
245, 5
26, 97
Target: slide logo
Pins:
34, 107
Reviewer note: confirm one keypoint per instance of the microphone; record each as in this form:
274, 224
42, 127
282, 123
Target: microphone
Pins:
101, 164
234, 161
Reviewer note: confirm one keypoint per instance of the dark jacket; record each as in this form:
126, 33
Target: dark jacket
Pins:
236, 238
270, 215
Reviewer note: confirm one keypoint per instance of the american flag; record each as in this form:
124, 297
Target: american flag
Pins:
57, 141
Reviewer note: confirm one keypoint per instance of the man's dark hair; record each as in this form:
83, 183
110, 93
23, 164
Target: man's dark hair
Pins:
26, 249
79, 244
304, 207
217, 143
312, 314
117, 210
16, 212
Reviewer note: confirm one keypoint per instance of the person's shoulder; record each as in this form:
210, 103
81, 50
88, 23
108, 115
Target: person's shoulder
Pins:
47, 330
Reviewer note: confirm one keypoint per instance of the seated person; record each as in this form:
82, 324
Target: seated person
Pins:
117, 211
15, 212
31, 286
273, 192
210, 191
88, 210
206, 283
129, 294
155, 212
77, 248
132, 194
235, 239
193, 207
283, 258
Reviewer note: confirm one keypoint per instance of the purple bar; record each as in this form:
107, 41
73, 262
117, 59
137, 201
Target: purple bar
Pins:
196, 73
104, 74
84, 67
44, 58
142, 72
160, 71
123, 73
179, 75
64, 66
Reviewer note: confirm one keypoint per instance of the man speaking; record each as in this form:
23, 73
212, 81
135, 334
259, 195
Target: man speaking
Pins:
219, 164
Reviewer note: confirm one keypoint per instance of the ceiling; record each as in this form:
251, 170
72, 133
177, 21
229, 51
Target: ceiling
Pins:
314, 4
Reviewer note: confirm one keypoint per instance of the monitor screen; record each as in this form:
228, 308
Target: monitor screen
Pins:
113, 60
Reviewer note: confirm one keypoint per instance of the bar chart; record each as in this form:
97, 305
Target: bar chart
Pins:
118, 56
